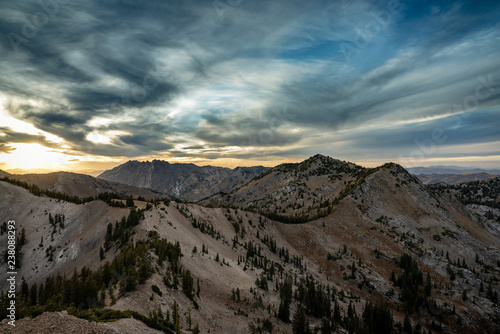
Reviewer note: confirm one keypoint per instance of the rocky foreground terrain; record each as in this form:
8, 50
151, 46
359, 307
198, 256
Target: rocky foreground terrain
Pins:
321, 245
61, 322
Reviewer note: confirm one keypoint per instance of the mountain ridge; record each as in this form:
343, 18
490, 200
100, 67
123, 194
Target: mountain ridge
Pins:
316, 184
178, 180
243, 259
451, 170
454, 178
81, 185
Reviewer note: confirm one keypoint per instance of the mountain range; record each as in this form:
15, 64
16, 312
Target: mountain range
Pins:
454, 178
182, 181
451, 170
323, 244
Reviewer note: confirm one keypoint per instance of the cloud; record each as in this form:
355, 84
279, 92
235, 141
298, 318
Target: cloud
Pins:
250, 78
8, 136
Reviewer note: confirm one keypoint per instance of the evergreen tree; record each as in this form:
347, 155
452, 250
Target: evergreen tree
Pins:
300, 324
33, 294
109, 236
428, 285
407, 325
25, 289
176, 318
129, 201
326, 327
238, 296
286, 300
377, 318
187, 284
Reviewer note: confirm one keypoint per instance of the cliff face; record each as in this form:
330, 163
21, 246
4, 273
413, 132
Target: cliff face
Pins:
182, 181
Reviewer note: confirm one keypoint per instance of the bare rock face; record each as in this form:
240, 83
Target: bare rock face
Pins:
182, 181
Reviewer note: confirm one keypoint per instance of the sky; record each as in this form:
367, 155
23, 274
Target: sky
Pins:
87, 85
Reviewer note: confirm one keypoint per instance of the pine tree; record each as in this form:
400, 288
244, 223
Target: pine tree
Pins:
187, 284
407, 325
393, 278
326, 327
177, 318
337, 318
24, 288
300, 324
109, 236
33, 295
286, 300
129, 201
188, 320
428, 285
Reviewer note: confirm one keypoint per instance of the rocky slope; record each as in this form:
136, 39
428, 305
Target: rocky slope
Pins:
480, 197
183, 181
61, 322
52, 248
81, 185
303, 190
376, 215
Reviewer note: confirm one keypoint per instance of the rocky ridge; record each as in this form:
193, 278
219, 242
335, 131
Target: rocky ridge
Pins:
182, 181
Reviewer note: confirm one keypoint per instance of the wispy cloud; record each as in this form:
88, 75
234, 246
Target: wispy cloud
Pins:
257, 80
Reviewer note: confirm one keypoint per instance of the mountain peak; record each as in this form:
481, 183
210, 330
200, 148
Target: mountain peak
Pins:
185, 181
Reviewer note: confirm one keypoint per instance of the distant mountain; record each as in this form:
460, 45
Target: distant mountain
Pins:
183, 181
80, 185
455, 170
481, 192
453, 178
91, 172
